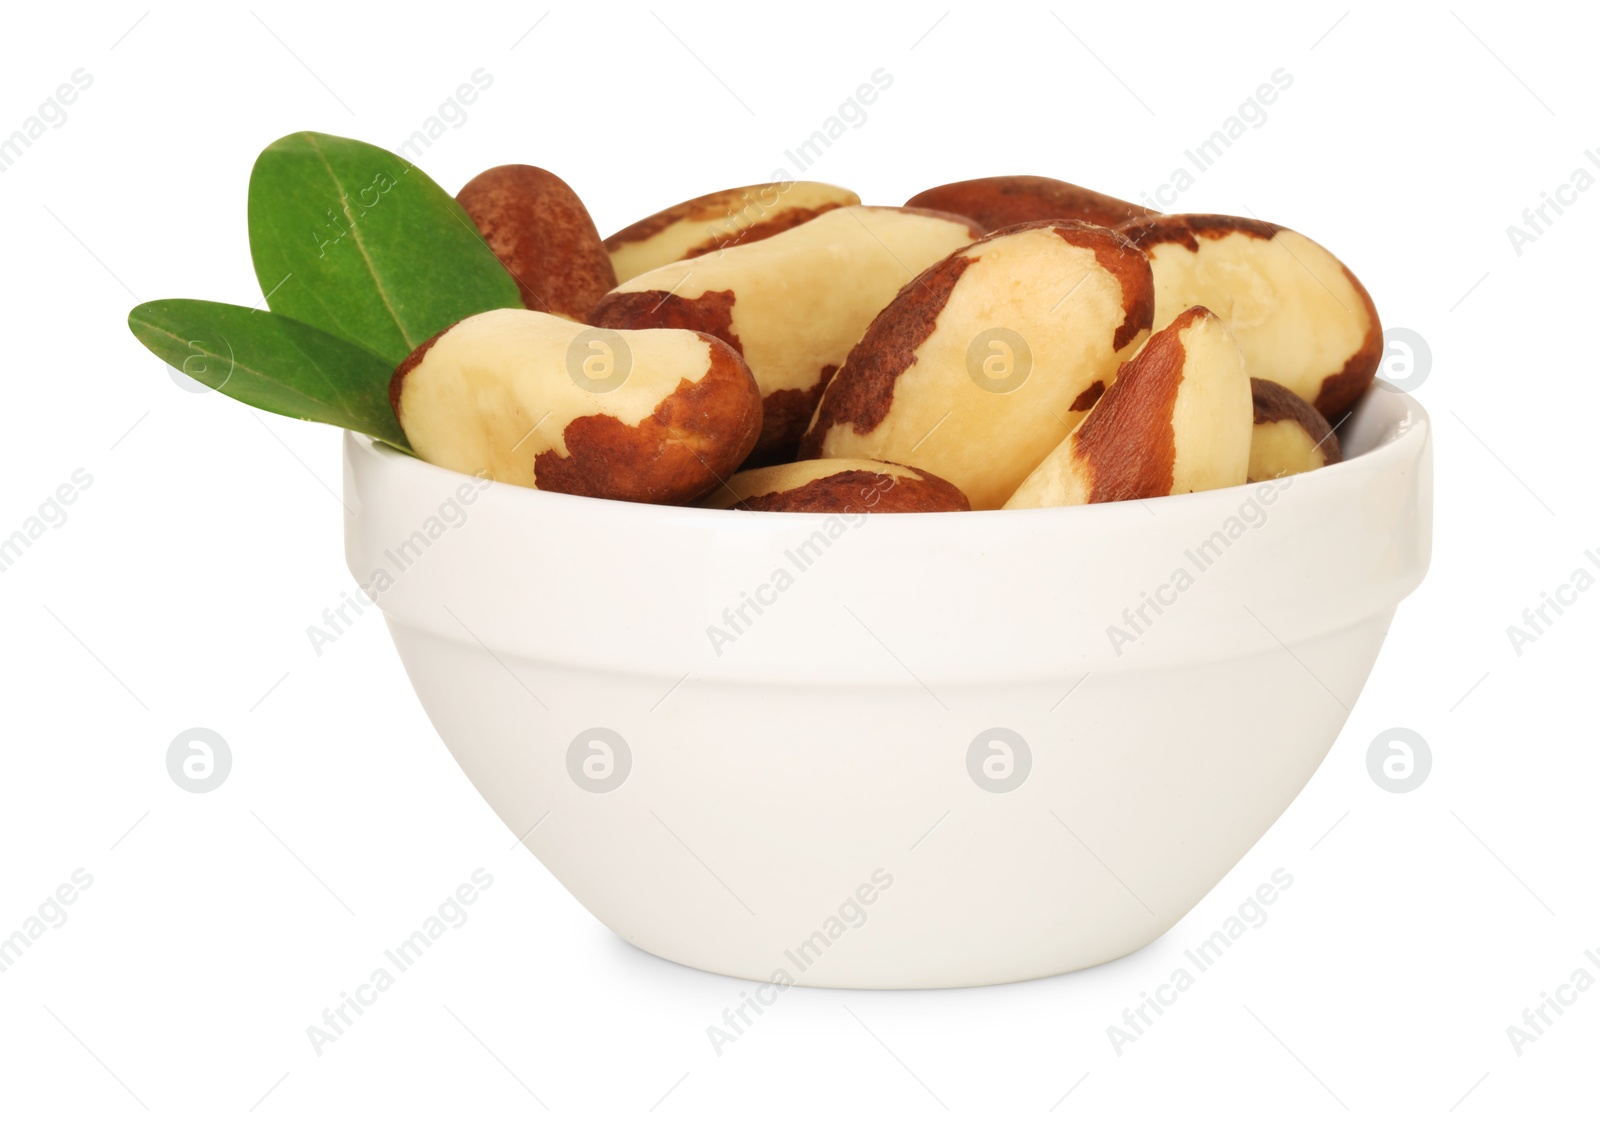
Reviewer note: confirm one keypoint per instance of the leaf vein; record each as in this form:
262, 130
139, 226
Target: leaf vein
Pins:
355, 235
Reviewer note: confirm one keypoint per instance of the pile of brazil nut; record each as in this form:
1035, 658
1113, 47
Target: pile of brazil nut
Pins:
1012, 342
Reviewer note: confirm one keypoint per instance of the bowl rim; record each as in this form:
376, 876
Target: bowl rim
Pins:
1401, 428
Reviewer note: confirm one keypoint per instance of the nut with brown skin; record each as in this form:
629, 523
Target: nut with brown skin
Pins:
532, 399
792, 304
1299, 315
542, 233
1006, 200
1177, 419
1289, 436
986, 361
720, 220
837, 487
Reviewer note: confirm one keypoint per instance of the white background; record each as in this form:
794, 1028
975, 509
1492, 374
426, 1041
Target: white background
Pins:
179, 590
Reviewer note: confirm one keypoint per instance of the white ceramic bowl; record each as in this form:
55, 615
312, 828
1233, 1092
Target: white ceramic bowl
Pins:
926, 761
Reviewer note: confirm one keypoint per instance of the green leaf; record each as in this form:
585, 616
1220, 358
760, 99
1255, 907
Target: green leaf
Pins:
354, 240
273, 363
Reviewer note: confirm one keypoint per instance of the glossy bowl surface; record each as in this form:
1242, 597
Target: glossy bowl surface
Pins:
909, 750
